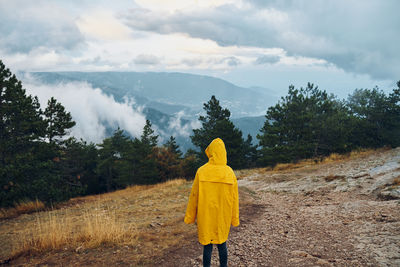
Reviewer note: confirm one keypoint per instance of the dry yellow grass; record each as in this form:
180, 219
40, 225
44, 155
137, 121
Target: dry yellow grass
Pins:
21, 208
353, 154
281, 167
95, 227
334, 157
132, 217
240, 174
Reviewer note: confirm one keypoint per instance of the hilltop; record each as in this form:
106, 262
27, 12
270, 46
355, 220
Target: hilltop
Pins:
343, 211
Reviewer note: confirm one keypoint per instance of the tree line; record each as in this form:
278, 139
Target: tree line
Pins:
38, 161
310, 123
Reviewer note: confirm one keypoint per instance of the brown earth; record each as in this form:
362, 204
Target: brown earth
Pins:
325, 215
326, 229
331, 214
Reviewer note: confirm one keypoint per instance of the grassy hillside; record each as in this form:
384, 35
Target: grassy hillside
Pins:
127, 220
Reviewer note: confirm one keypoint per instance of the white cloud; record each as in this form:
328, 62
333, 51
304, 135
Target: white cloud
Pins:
361, 38
176, 5
102, 24
221, 38
27, 25
146, 59
179, 128
90, 108
267, 59
37, 59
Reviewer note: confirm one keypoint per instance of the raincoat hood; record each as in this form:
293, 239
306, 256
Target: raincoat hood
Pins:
216, 152
216, 169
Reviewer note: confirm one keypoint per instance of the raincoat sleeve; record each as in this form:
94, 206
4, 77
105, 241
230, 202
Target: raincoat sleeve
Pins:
235, 207
191, 210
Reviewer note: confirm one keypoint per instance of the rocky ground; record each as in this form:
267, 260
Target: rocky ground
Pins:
344, 213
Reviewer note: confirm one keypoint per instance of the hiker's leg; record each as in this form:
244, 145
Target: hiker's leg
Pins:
223, 254
207, 255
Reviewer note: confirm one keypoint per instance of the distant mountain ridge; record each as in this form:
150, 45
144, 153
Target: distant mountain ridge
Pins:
169, 92
164, 95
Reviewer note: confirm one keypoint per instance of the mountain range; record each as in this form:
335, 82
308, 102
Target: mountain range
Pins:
166, 96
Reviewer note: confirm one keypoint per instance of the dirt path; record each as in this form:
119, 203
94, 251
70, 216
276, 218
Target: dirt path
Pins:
325, 216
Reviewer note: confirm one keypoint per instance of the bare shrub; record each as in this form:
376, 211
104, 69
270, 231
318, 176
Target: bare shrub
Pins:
56, 231
24, 206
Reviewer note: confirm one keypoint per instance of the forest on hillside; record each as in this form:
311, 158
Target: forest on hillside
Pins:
39, 161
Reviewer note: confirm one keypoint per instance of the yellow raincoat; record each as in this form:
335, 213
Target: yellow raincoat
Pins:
214, 197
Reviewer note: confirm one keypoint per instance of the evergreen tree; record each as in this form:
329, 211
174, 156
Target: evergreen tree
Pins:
20, 128
148, 137
168, 163
168, 159
190, 163
78, 162
142, 166
217, 124
111, 161
173, 147
306, 123
29, 166
376, 117
392, 122
250, 152
58, 120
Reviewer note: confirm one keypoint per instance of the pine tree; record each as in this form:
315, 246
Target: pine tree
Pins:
392, 134
58, 120
21, 127
217, 124
172, 146
168, 163
250, 152
141, 156
190, 163
306, 123
148, 137
29, 166
376, 117
78, 163
111, 161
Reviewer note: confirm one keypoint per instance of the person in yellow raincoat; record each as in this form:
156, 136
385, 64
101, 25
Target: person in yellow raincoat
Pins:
214, 201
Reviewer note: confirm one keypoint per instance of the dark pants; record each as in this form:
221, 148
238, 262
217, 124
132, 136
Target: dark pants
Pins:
222, 251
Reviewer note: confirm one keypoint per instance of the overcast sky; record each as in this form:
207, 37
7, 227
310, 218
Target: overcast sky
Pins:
339, 45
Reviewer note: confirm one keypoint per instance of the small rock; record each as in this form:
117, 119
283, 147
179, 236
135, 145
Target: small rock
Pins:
300, 253
79, 249
346, 222
323, 262
295, 260
390, 193
199, 258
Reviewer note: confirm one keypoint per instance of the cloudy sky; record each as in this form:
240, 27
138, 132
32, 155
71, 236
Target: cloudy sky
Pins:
339, 45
